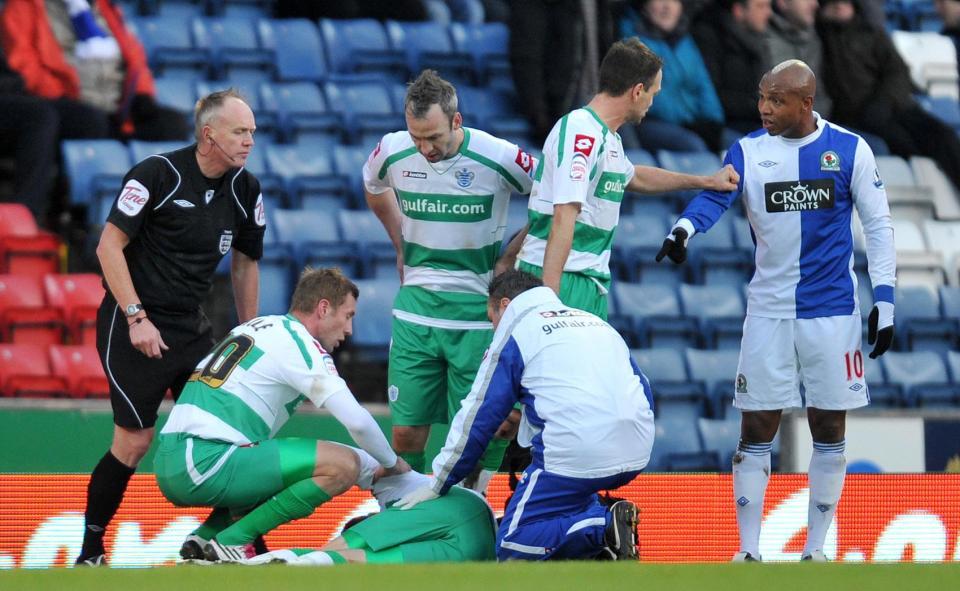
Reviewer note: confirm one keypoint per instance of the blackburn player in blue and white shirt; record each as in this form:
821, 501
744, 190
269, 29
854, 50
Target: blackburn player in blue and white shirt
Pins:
800, 178
586, 413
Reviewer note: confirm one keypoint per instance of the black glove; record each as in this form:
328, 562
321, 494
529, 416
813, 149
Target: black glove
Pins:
674, 246
883, 337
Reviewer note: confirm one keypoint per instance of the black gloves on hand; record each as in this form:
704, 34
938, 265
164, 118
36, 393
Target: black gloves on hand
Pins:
880, 328
674, 246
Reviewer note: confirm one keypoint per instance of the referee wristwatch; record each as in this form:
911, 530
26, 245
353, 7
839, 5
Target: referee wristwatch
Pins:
132, 310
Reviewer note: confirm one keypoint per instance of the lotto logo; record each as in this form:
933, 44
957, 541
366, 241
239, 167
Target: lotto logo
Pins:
132, 198
524, 161
583, 144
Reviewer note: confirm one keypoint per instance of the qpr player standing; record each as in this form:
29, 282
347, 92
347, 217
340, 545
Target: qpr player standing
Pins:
801, 176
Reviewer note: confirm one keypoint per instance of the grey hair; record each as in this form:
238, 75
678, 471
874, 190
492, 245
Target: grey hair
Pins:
427, 90
208, 108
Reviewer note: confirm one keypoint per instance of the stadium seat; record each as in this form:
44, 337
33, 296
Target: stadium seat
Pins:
348, 161
677, 447
950, 302
953, 362
78, 296
919, 325
700, 163
716, 259
297, 227
80, 367
667, 372
491, 111
438, 11
373, 323
361, 46
923, 377
487, 44
367, 110
721, 436
946, 196
271, 185
140, 149
945, 108
25, 371
944, 237
278, 271
234, 46
170, 48
916, 264
24, 314
638, 238
428, 45
363, 229
300, 109
95, 168
932, 59
907, 198
882, 393
720, 311
717, 370
178, 93
467, 11
24, 248
300, 55
641, 157
655, 315
250, 9
304, 170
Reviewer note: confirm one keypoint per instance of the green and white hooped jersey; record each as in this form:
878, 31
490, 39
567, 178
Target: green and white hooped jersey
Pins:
453, 216
253, 381
583, 162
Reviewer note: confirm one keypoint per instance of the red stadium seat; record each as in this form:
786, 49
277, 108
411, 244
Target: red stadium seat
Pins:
24, 316
24, 248
77, 296
80, 366
25, 371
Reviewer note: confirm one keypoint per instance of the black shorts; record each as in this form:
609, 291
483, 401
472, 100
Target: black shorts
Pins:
137, 382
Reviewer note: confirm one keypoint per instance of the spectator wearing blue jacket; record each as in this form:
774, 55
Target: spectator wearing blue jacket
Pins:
687, 116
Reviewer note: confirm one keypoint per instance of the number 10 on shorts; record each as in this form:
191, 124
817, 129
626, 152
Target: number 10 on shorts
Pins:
854, 364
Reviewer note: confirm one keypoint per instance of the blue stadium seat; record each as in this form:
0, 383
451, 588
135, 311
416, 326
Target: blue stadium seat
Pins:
945, 108
364, 229
300, 110
704, 163
373, 323
953, 362
96, 169
360, 46
305, 170
428, 45
677, 447
667, 372
300, 56
717, 370
178, 93
271, 185
639, 156
492, 111
882, 393
276, 271
178, 9
348, 161
638, 238
250, 9
467, 11
721, 436
715, 258
235, 47
312, 238
140, 150
920, 327
169, 46
720, 311
438, 11
923, 377
655, 315
366, 107
487, 44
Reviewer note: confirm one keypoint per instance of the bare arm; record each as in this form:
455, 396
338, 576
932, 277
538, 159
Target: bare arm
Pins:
143, 334
509, 259
245, 275
558, 243
648, 179
384, 206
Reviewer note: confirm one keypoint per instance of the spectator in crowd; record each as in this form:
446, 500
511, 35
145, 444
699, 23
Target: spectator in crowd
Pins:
587, 415
83, 57
949, 11
687, 115
872, 90
555, 53
792, 34
174, 219
28, 133
732, 41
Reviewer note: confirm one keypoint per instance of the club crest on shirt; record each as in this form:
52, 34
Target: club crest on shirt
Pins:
829, 161
226, 239
208, 196
801, 195
464, 177
393, 393
741, 384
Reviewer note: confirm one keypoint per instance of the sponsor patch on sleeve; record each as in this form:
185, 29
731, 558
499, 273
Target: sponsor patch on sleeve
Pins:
132, 198
578, 167
524, 161
328, 363
583, 144
259, 215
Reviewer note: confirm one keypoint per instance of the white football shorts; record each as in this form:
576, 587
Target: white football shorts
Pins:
777, 354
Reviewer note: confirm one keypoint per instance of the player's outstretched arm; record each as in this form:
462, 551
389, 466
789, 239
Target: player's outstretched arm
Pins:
649, 179
675, 244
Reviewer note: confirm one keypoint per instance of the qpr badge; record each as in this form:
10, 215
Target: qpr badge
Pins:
226, 239
465, 177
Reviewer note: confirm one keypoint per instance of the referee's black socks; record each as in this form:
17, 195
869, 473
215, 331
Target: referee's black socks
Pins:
108, 482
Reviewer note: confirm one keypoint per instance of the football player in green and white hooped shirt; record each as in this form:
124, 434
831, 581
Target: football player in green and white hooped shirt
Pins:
441, 191
218, 450
579, 184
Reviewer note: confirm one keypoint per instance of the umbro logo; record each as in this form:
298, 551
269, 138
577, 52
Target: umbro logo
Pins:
743, 501
183, 203
768, 163
857, 387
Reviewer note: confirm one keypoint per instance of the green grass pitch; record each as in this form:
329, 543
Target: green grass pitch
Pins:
559, 576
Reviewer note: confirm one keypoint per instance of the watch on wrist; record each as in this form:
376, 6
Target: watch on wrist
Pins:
133, 310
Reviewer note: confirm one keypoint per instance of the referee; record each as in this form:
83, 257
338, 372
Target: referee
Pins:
176, 216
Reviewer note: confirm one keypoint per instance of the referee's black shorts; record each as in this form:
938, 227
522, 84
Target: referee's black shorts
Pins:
137, 382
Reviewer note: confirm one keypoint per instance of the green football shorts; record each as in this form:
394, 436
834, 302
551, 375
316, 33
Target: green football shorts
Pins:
576, 290
456, 527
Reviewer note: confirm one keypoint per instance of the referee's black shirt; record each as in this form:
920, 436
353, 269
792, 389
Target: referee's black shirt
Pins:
181, 224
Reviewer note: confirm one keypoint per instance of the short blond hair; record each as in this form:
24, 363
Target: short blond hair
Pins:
321, 284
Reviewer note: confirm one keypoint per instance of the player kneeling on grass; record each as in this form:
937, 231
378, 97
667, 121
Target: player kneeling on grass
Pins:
217, 448
456, 527
586, 413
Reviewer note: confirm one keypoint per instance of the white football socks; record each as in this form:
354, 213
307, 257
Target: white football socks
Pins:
751, 472
828, 467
